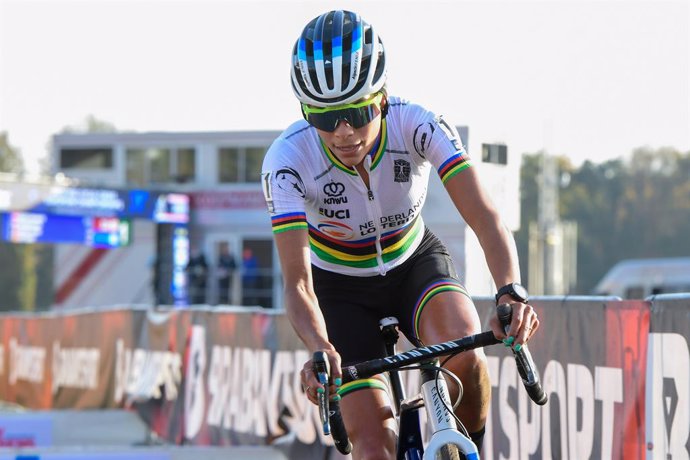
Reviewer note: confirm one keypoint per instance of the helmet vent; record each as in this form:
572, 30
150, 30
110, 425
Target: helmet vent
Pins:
346, 45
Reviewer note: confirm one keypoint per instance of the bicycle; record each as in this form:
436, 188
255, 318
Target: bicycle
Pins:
449, 440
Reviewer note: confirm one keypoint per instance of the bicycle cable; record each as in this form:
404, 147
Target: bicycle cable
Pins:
454, 378
440, 369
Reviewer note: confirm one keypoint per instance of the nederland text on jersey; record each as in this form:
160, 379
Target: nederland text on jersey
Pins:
363, 253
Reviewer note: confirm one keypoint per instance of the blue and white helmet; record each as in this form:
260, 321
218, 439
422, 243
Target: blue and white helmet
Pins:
338, 59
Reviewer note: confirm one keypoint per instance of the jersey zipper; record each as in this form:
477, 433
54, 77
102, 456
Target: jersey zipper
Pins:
375, 212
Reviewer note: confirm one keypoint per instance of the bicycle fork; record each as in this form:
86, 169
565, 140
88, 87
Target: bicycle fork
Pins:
439, 416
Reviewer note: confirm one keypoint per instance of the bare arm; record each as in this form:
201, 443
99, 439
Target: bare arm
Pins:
301, 303
498, 244
481, 215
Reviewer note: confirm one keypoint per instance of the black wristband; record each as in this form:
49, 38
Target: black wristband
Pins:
515, 290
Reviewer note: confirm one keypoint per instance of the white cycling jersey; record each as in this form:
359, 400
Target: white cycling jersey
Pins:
354, 230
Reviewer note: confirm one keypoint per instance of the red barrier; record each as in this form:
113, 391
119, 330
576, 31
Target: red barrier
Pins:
231, 376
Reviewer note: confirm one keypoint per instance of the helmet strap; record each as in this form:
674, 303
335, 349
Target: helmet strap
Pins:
384, 106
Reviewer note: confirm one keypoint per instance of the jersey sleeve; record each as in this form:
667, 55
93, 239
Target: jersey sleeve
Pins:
284, 188
434, 139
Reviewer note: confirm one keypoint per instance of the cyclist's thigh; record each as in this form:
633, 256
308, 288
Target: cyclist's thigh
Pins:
447, 316
352, 308
370, 423
436, 305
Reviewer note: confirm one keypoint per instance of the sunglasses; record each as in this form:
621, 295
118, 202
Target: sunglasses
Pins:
357, 114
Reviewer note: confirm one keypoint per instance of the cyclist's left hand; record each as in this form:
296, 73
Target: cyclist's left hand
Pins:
523, 325
309, 382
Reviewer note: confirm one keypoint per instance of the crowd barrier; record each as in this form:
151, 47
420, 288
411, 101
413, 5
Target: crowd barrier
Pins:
143, 453
617, 374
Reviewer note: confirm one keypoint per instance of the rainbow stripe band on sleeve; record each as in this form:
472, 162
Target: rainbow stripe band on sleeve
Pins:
362, 384
291, 221
454, 165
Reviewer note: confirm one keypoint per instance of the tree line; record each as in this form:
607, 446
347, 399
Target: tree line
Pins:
25, 269
634, 207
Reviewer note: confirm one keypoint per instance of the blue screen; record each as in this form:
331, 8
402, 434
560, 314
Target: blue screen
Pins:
29, 227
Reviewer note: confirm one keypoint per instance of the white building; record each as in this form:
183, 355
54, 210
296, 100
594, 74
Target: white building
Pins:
221, 171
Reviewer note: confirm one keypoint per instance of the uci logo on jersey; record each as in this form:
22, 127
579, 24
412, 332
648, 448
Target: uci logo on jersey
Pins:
335, 213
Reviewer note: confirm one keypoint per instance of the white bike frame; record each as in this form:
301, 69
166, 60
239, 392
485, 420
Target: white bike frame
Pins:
434, 394
443, 427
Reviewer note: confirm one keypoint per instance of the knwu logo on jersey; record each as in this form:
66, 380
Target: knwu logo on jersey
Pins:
334, 191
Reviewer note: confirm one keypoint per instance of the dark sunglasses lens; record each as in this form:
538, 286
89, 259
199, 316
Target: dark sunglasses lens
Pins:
356, 117
362, 116
324, 121
359, 117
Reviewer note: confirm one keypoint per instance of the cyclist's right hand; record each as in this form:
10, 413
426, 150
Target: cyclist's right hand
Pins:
311, 384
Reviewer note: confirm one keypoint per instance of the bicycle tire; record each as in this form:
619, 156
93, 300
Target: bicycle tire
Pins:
449, 452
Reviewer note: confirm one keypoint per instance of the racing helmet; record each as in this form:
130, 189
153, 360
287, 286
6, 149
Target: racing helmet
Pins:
338, 59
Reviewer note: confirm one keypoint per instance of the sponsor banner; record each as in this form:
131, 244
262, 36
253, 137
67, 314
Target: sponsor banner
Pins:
228, 200
62, 361
149, 375
242, 207
591, 356
23, 375
239, 383
668, 379
231, 377
53, 199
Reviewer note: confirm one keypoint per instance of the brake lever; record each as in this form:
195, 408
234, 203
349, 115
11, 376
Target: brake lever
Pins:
322, 371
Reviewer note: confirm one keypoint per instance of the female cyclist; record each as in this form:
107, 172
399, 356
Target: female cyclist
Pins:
345, 188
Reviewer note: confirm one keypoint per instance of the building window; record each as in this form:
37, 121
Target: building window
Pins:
186, 169
240, 164
86, 158
254, 159
495, 153
228, 161
158, 165
136, 167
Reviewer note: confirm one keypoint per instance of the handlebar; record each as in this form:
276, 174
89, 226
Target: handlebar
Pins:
334, 422
329, 411
370, 368
523, 359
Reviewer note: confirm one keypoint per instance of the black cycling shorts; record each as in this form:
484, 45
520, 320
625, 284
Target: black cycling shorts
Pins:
352, 306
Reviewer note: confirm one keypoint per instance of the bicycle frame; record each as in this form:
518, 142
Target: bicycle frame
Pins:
436, 401
443, 426
433, 392
442, 423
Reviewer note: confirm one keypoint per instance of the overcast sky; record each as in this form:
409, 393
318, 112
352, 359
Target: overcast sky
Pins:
587, 79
